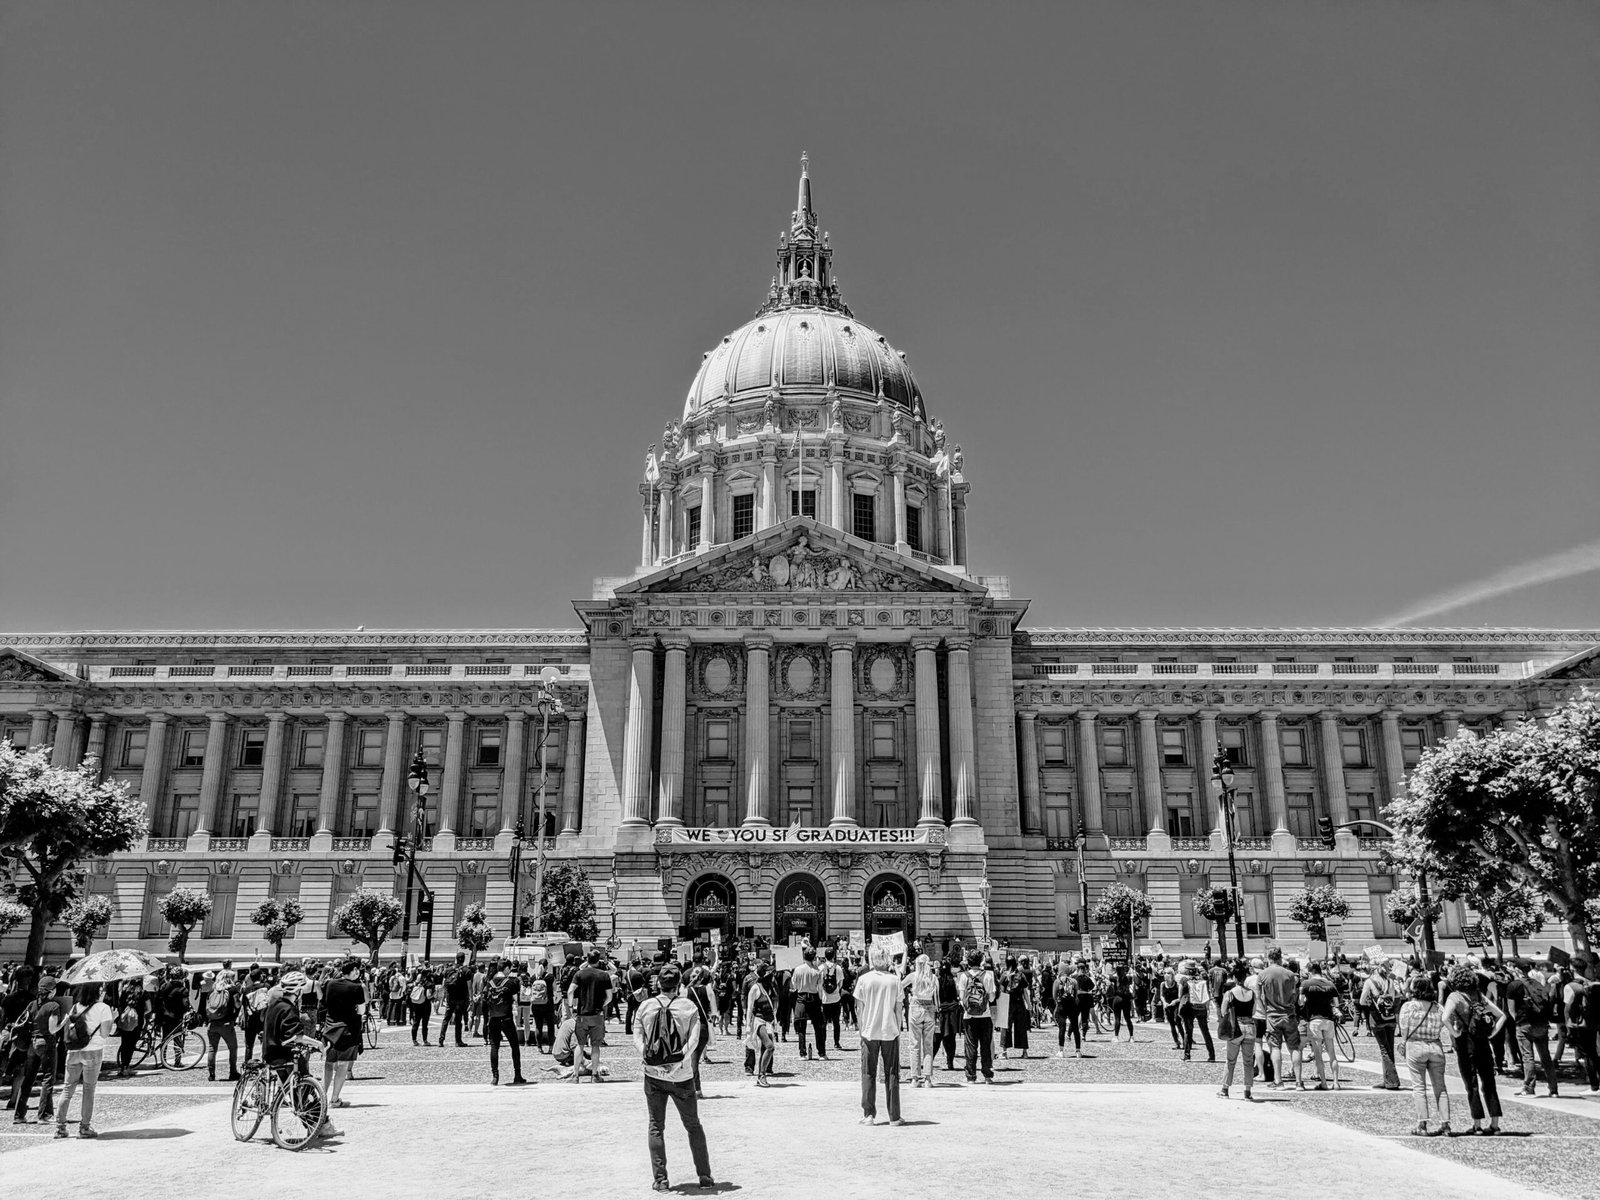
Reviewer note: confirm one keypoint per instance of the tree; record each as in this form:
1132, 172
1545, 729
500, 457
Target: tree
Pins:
184, 908
568, 901
1523, 801
51, 819
276, 918
86, 918
1215, 904
368, 917
13, 914
1122, 908
1404, 905
473, 931
1515, 913
1313, 906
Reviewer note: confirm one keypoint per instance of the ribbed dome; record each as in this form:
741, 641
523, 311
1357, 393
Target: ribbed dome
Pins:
804, 349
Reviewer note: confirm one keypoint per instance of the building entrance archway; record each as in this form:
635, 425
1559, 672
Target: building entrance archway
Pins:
712, 902
889, 906
800, 906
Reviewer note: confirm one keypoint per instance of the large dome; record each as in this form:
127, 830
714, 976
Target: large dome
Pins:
808, 350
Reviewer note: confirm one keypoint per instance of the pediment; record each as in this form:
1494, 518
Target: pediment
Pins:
17, 666
799, 556
1583, 665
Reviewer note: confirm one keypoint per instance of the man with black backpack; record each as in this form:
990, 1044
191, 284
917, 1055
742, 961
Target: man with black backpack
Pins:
1529, 1000
976, 992
832, 994
666, 1029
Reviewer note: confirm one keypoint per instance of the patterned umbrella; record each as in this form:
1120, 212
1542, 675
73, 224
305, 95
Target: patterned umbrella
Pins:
111, 964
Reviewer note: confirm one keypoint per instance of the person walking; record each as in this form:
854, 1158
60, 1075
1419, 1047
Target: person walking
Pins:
84, 1029
806, 983
1280, 999
1236, 1021
457, 999
878, 1016
1529, 1001
589, 994
922, 988
1421, 1027
976, 987
1382, 997
1471, 1021
1170, 997
1064, 1003
666, 1027
419, 1000
832, 995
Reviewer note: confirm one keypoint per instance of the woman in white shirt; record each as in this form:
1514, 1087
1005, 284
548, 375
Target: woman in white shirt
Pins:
93, 1020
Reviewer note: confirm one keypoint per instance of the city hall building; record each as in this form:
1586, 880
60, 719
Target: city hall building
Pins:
800, 713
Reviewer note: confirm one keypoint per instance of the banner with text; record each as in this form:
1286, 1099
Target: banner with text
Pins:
798, 837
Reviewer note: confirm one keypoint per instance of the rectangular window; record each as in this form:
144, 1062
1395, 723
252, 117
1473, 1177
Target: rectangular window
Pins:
1362, 808
801, 809
1413, 741
691, 536
1055, 744
744, 515
714, 808
303, 819
154, 924
252, 747
1244, 815
1234, 745
1293, 740
194, 748
800, 740
489, 747
1119, 814
803, 503
1174, 746
1302, 814
17, 736
485, 819
431, 743
369, 748
470, 890
863, 520
1057, 815
185, 814
914, 527
1180, 814
717, 739
1257, 907
1113, 746
224, 902
883, 739
885, 808
312, 744
242, 818
363, 815
1353, 745
134, 742
1378, 889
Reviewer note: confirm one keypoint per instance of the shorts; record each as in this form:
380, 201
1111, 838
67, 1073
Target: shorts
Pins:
590, 1031
1283, 1031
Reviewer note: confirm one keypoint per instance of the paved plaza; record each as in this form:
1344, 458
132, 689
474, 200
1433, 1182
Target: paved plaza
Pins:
1133, 1121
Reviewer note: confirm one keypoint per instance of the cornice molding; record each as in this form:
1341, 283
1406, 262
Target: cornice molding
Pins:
310, 638
1553, 638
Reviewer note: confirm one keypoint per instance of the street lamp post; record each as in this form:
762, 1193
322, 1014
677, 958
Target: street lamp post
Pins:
1222, 784
611, 903
417, 781
983, 894
1080, 843
1422, 884
547, 704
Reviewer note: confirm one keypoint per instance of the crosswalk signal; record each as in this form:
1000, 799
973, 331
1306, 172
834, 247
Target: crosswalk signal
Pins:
1325, 828
399, 854
425, 909
1073, 923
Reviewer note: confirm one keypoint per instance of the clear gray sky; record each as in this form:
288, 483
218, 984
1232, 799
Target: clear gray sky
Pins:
334, 313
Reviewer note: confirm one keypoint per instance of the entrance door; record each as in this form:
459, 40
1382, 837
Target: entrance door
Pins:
800, 906
889, 907
712, 903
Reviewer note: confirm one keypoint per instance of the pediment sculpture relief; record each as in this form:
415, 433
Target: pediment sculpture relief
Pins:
802, 567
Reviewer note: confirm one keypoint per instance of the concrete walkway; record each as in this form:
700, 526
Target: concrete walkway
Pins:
439, 1142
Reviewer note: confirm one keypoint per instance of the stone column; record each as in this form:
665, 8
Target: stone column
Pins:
930, 780
1509, 719
769, 487
1150, 772
757, 802
211, 772
272, 774
1027, 742
666, 517
900, 544
1202, 774
638, 735
1272, 772
39, 731
1394, 755
515, 776
1333, 767
394, 772
958, 531
1449, 724
1089, 773
964, 779
572, 774
842, 728
836, 505
332, 773
450, 776
155, 766
708, 518
674, 713
96, 749
66, 732
647, 541
943, 538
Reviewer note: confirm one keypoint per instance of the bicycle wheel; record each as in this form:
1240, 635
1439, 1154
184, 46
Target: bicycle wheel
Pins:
184, 1050
1341, 1039
371, 1031
249, 1105
298, 1113
142, 1049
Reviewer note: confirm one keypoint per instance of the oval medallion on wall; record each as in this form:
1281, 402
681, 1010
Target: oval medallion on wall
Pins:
801, 675
778, 568
883, 676
718, 676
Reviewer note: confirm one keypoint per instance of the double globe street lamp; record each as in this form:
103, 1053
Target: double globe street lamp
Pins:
1222, 785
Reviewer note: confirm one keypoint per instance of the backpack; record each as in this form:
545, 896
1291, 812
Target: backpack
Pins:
663, 1041
976, 997
830, 978
1387, 1003
1536, 999
258, 1000
128, 1019
78, 1032
539, 991
218, 1003
419, 994
1199, 991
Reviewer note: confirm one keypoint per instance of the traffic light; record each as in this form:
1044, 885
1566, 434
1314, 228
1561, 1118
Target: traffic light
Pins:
399, 854
1325, 828
519, 831
1222, 900
417, 776
425, 909
1072, 922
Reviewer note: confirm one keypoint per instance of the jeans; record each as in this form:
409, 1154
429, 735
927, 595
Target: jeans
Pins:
458, 1014
656, 1094
830, 1016
1384, 1034
544, 1029
83, 1066
1192, 1016
1475, 1060
1536, 1040
421, 1015
888, 1053
39, 1064
1245, 1043
1425, 1061
504, 1027
924, 1024
1322, 1044
225, 1033
980, 1045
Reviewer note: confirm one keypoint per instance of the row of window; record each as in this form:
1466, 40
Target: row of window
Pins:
311, 746
1294, 743
803, 503
241, 816
1123, 818
884, 809
801, 742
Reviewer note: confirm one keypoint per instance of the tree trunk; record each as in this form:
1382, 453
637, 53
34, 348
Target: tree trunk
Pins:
36, 931
1516, 951
277, 952
1494, 932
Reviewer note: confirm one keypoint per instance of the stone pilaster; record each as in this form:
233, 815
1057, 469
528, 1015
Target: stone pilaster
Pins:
842, 729
1333, 767
1089, 773
1150, 791
1028, 772
96, 748
394, 772
639, 733
155, 767
66, 732
901, 545
39, 729
1449, 724
572, 774
708, 512
514, 779
674, 714
1272, 773
1394, 756
769, 485
758, 803
450, 777
211, 772
836, 505
930, 780
332, 782
964, 779
1202, 769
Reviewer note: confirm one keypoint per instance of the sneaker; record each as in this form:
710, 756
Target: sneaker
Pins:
661, 1185
865, 1121
1442, 1131
88, 1131
61, 1131
1421, 1130
707, 1182
1247, 1094
1223, 1092
898, 1121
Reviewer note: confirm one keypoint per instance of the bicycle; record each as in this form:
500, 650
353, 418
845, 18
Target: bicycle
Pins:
182, 1049
295, 1101
370, 1027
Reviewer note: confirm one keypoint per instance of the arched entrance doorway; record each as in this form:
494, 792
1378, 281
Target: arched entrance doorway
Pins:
712, 902
800, 905
889, 906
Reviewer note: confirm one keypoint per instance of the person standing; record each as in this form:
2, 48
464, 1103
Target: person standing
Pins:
1196, 1010
666, 1026
84, 1030
39, 1061
878, 1014
832, 994
1280, 996
541, 1007
254, 1003
922, 989
590, 993
1578, 1001
1381, 996
1529, 1000
976, 987
1019, 984
500, 1022
1170, 997
419, 1000
1065, 1005
222, 1018
344, 1001
806, 983
1236, 1021
1471, 1021
1317, 998
457, 999
1422, 1034
761, 1006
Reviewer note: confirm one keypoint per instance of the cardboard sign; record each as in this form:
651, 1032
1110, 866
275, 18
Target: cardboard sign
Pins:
858, 939
556, 955
716, 937
1115, 951
1473, 934
894, 943
685, 953
786, 958
797, 941
1559, 957
1375, 953
1147, 951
